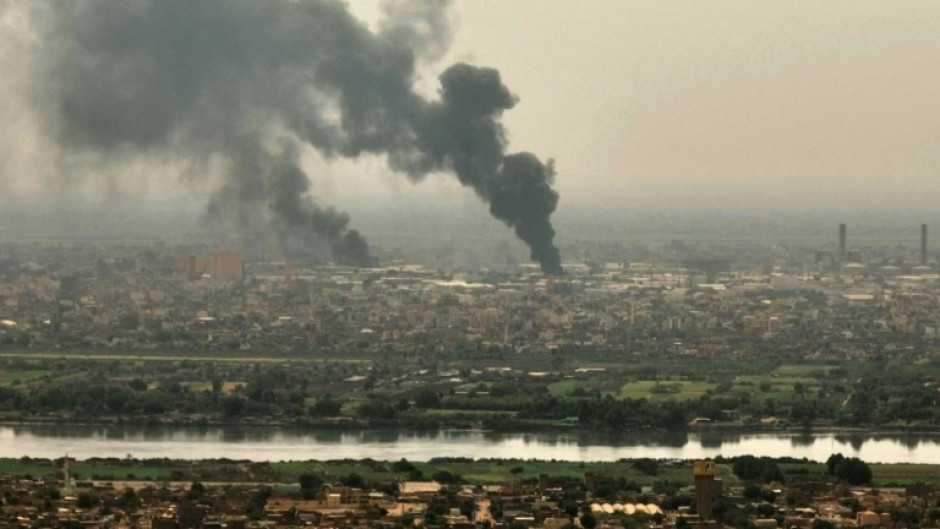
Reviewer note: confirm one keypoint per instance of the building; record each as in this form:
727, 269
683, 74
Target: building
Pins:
706, 487
227, 266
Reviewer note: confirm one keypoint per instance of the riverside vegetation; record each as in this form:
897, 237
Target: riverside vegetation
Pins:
460, 389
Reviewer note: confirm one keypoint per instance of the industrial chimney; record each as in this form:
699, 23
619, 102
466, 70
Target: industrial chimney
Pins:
923, 244
841, 244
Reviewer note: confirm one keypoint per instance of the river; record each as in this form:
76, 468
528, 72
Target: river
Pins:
260, 444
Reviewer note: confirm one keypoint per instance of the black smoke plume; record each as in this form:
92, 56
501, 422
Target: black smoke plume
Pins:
245, 81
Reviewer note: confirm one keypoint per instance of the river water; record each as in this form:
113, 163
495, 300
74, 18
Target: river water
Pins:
260, 444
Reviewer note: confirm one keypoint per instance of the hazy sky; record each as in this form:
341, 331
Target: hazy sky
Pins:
753, 102
717, 104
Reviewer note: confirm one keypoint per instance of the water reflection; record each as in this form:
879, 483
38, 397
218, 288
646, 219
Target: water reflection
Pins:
232, 435
675, 439
714, 440
804, 438
113, 433
327, 436
270, 444
855, 440
382, 436
910, 441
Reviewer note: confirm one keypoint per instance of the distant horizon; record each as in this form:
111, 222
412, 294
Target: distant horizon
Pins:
435, 221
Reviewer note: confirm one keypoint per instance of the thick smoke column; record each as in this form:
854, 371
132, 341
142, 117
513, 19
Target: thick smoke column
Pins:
245, 82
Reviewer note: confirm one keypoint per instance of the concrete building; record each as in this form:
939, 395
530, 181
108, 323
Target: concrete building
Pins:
706, 488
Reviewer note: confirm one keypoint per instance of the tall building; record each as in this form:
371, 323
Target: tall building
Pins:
227, 266
192, 266
706, 487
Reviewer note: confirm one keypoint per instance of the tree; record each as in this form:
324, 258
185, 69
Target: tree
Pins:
753, 468
751, 492
468, 507
496, 510
444, 476
326, 407
353, 480
403, 465
427, 399
766, 510
309, 483
833, 462
588, 521
854, 471
647, 466
86, 500
196, 490
233, 406
799, 389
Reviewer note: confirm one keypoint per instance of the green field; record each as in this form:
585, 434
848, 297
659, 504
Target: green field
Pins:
468, 413
9, 378
901, 474
802, 370
563, 387
642, 389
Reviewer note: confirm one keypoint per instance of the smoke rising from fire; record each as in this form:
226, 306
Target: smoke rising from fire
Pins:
248, 83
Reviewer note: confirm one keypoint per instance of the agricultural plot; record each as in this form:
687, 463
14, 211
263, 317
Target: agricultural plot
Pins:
903, 474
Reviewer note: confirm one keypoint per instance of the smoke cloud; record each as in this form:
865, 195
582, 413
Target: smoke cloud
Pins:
247, 84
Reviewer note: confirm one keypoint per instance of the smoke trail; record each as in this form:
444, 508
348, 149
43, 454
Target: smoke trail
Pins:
244, 80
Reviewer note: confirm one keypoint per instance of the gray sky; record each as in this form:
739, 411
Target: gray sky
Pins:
718, 104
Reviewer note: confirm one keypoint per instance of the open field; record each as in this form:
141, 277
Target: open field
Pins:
683, 390
901, 474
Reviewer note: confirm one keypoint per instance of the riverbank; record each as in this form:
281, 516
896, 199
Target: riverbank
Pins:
520, 427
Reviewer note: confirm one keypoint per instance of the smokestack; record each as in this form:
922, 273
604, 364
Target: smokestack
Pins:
923, 244
841, 244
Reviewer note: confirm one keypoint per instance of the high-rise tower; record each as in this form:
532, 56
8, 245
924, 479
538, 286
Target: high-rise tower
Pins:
706, 487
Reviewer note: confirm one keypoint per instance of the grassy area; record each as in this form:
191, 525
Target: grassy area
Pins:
119, 472
563, 387
802, 370
643, 389
777, 387
468, 413
22, 467
10, 378
900, 474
